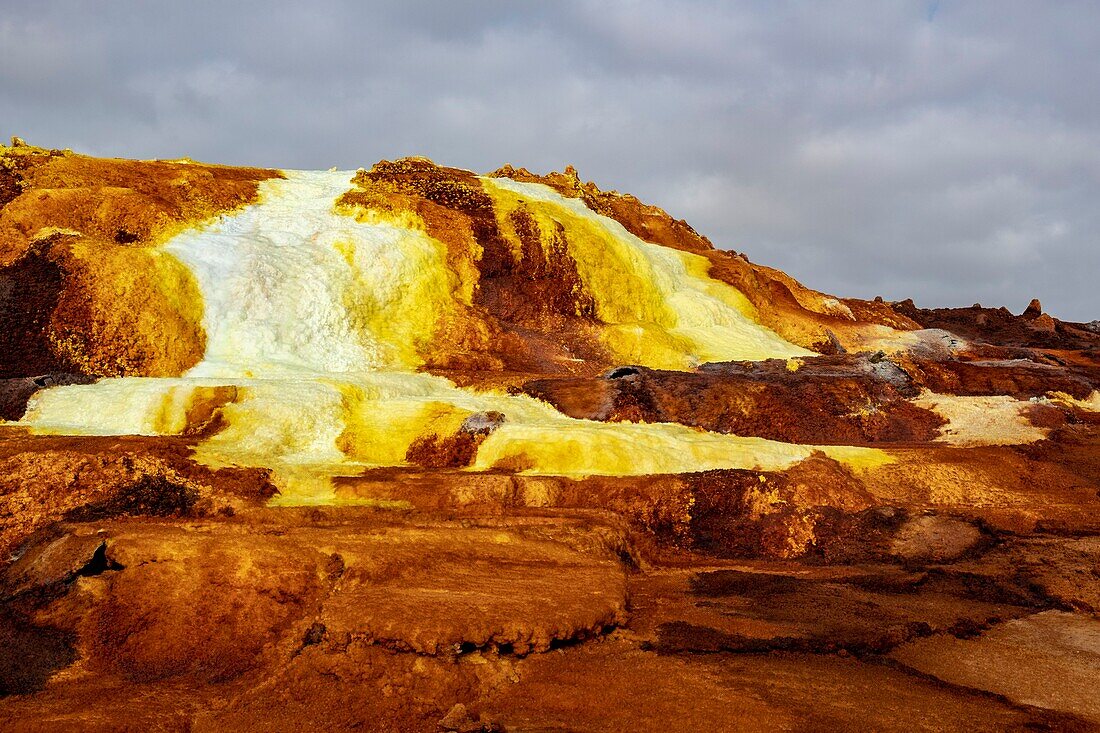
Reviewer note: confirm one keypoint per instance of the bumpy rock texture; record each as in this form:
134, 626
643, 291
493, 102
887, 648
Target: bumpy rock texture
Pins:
408, 448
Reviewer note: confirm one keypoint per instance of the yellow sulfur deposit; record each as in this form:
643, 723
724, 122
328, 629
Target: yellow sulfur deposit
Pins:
312, 429
291, 285
1089, 404
316, 322
130, 406
659, 306
126, 326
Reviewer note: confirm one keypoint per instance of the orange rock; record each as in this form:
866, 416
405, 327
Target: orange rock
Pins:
145, 585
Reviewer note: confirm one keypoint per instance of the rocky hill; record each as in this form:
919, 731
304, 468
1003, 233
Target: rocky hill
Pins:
273, 439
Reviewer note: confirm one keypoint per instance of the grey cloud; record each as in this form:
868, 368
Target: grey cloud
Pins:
863, 147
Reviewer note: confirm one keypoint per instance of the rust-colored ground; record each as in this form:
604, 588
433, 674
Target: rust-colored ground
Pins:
952, 583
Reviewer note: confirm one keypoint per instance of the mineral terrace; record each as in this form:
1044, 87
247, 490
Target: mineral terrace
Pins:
413, 449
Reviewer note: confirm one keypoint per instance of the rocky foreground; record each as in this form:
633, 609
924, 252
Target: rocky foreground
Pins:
407, 448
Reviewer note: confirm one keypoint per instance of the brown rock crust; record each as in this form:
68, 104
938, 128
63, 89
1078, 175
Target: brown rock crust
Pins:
142, 589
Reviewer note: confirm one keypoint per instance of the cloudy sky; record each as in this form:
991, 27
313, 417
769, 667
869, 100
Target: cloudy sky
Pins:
946, 151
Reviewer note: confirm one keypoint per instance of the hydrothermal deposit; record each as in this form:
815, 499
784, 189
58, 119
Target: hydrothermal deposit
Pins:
459, 451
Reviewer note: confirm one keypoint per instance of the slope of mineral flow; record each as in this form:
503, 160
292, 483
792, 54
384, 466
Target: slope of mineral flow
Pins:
661, 308
314, 322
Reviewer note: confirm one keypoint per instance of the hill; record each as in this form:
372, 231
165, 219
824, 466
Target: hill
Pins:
320, 433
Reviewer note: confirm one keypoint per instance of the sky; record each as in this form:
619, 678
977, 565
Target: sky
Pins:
946, 151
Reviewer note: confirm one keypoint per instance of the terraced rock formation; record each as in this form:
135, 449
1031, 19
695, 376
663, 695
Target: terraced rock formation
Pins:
410, 448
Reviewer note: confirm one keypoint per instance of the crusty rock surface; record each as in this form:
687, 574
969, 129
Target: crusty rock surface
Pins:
244, 484
1050, 660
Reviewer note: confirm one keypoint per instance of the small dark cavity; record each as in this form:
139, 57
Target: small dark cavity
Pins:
623, 372
123, 236
99, 563
627, 559
483, 423
315, 634
334, 566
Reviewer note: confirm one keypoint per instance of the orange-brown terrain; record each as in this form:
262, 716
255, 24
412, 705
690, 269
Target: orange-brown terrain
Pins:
413, 449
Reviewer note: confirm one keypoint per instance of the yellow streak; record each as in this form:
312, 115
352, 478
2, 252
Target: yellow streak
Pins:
405, 321
380, 432
1089, 404
660, 306
309, 431
129, 406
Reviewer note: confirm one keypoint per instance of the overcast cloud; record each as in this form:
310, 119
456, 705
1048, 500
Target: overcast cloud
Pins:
945, 151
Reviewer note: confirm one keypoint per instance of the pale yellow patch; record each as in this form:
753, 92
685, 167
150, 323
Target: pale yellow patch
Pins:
128, 406
890, 341
856, 459
405, 317
373, 217
995, 420
47, 232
